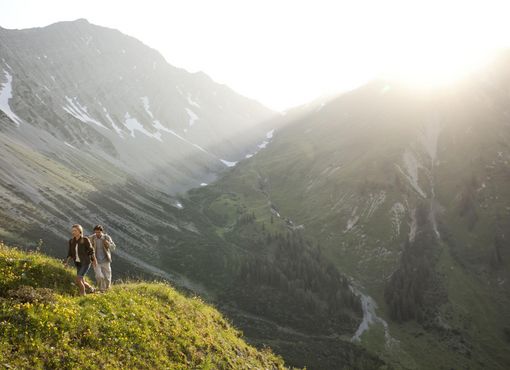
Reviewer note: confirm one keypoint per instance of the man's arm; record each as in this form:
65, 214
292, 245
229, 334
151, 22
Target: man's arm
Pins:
111, 245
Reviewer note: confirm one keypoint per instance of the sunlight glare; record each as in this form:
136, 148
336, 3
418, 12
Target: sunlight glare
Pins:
436, 67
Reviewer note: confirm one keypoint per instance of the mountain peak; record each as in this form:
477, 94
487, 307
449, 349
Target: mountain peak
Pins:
81, 20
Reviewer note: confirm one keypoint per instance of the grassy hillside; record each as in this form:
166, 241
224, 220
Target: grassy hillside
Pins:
406, 193
44, 324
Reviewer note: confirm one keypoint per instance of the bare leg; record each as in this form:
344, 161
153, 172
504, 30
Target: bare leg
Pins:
81, 286
87, 285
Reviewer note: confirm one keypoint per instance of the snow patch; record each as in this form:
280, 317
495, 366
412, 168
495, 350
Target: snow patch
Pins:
192, 102
114, 125
203, 184
146, 105
133, 125
269, 136
80, 112
5, 96
117, 129
263, 144
179, 205
410, 171
192, 117
7, 65
227, 163
158, 126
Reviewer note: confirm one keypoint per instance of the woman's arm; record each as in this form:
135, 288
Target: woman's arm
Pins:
69, 254
90, 251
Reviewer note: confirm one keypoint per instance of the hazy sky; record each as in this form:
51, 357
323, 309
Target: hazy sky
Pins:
284, 53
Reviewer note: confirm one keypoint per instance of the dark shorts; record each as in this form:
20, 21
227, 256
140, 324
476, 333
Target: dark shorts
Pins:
82, 268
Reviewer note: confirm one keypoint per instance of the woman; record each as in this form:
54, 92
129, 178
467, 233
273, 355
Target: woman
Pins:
82, 253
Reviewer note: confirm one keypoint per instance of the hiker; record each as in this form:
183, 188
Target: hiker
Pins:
82, 253
103, 246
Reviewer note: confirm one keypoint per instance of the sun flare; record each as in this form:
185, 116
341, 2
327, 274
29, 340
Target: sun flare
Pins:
436, 68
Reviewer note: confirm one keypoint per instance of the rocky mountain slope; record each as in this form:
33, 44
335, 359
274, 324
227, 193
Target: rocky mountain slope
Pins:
86, 110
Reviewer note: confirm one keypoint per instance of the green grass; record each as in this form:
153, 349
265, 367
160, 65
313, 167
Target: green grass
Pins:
18, 268
316, 171
44, 324
472, 337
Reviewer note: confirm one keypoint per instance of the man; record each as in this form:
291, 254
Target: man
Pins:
102, 245
81, 252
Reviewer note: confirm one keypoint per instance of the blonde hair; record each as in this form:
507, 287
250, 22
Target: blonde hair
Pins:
79, 227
